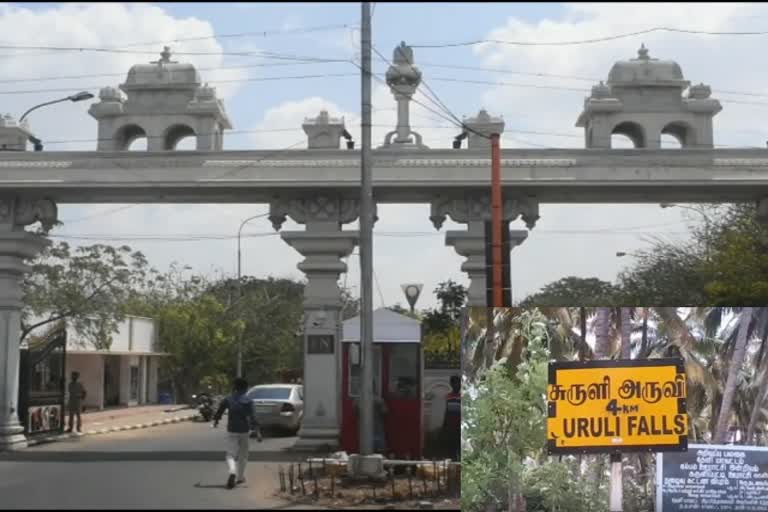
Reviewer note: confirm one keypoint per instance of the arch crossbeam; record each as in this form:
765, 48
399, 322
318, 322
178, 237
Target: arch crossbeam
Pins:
554, 176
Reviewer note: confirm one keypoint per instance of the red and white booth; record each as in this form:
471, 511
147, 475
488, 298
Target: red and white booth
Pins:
398, 370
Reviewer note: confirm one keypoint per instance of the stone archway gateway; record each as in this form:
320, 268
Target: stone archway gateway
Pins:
319, 187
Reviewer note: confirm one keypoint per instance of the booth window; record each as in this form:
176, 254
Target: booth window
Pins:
354, 369
404, 371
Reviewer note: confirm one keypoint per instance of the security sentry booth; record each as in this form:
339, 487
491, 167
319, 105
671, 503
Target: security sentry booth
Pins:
398, 371
42, 383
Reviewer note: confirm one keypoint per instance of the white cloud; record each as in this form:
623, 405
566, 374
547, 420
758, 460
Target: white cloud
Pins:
111, 25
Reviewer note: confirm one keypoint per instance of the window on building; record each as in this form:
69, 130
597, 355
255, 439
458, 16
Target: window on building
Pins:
403, 370
134, 383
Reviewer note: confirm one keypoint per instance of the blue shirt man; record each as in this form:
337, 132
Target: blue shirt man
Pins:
240, 422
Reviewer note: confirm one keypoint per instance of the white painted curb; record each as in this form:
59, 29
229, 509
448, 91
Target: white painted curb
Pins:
122, 428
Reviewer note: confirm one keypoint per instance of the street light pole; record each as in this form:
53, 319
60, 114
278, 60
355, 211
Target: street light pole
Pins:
366, 242
81, 96
707, 226
240, 289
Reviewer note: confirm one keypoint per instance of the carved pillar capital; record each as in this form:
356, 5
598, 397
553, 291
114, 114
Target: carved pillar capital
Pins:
18, 212
323, 209
477, 208
471, 245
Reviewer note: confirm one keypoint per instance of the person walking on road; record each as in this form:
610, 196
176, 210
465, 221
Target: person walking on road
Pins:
75, 405
240, 422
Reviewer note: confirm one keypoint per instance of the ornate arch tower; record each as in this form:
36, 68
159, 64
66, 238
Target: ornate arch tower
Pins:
643, 99
163, 101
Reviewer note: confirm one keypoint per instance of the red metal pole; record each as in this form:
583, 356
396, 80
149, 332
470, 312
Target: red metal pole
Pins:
496, 214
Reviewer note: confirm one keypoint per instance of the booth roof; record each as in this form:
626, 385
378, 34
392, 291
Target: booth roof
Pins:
388, 327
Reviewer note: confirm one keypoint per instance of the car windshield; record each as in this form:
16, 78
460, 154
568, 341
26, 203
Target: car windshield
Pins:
269, 393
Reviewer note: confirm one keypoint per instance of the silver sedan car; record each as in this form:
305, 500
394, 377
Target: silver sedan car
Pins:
278, 405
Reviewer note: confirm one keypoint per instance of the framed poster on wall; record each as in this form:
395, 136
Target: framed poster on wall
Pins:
44, 418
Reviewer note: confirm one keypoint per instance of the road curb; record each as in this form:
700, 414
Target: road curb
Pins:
121, 428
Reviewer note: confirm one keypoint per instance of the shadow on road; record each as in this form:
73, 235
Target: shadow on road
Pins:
127, 456
198, 485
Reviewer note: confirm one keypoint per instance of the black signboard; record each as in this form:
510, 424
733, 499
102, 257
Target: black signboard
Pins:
320, 344
42, 381
710, 478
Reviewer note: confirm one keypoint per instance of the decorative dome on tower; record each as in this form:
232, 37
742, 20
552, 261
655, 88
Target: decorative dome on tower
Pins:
643, 101
645, 71
162, 74
163, 101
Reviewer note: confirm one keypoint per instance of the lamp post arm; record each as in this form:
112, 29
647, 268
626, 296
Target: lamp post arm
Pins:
41, 105
240, 289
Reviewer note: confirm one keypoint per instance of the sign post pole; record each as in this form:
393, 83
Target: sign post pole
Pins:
616, 499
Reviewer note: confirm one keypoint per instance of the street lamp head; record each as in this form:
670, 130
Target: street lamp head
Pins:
81, 96
620, 254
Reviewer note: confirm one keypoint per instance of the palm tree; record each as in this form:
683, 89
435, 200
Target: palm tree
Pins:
626, 333
739, 352
602, 333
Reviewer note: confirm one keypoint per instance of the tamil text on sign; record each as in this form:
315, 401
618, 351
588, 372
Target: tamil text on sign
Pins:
709, 478
615, 406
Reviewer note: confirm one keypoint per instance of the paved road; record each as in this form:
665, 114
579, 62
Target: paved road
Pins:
174, 466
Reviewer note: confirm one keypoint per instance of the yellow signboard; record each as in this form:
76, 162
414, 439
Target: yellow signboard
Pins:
617, 406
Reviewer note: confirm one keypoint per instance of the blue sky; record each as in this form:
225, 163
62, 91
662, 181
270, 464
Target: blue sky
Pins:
568, 240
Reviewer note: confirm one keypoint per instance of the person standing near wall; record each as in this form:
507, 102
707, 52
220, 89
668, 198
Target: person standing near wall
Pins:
240, 422
75, 404
452, 418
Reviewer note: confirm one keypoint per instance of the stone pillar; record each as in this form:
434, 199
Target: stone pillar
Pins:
474, 210
16, 246
323, 245
207, 139
13, 136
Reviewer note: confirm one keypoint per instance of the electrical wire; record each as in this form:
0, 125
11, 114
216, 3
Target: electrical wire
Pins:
395, 234
587, 41
452, 126
259, 53
100, 214
378, 287
236, 80
263, 33
139, 73
404, 235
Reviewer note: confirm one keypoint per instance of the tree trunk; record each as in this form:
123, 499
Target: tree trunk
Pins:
626, 334
583, 322
757, 407
602, 328
739, 352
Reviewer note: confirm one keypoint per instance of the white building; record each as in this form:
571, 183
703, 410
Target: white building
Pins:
124, 375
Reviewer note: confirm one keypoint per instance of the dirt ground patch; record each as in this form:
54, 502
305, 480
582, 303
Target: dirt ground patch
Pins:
435, 487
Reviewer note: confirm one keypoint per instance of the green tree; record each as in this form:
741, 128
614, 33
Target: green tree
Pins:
200, 343
87, 286
441, 326
573, 291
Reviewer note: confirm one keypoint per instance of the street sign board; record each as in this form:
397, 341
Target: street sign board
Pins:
617, 406
709, 478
